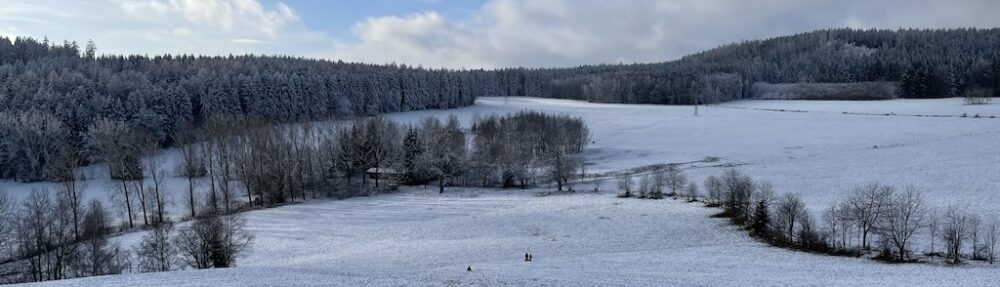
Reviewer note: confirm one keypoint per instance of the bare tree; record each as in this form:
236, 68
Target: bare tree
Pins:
807, 236
933, 226
214, 241
692, 192
597, 184
112, 138
191, 167
659, 180
713, 186
675, 179
66, 171
789, 210
45, 235
153, 164
973, 228
645, 186
953, 232
208, 154
625, 184
562, 166
904, 214
99, 255
157, 252
448, 151
867, 203
831, 218
992, 238
738, 191
222, 141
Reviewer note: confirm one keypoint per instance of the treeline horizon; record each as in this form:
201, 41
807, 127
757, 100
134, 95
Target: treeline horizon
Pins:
52, 95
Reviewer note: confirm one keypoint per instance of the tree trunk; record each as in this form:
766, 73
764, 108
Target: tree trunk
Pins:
159, 204
142, 202
128, 204
191, 196
441, 185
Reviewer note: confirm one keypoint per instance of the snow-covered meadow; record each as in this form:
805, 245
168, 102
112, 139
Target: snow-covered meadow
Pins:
421, 238
818, 152
418, 237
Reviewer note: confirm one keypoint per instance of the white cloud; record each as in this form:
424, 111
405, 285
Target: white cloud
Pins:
226, 15
212, 27
246, 41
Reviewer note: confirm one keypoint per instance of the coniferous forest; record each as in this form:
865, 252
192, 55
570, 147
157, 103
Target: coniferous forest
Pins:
54, 96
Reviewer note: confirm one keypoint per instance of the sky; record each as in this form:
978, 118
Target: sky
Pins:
463, 33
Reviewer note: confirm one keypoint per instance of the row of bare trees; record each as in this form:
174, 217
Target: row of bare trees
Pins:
267, 163
668, 180
896, 216
277, 164
40, 239
214, 241
526, 147
874, 213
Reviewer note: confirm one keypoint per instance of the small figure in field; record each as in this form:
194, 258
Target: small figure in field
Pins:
530, 257
469, 269
527, 257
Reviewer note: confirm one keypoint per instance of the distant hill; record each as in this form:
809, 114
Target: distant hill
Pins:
924, 64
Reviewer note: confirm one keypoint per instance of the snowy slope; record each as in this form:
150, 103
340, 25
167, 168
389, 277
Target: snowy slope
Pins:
819, 154
420, 238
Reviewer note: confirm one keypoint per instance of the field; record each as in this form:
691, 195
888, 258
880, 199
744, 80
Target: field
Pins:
418, 237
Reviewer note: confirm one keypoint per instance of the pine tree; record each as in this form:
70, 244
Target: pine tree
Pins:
413, 154
761, 220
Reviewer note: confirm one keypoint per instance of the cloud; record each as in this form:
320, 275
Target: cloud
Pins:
209, 27
226, 15
545, 33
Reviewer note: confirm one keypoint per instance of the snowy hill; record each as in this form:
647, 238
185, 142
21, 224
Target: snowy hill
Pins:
420, 238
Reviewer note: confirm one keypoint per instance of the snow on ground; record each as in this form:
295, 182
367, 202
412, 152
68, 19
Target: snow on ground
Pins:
928, 107
819, 155
421, 238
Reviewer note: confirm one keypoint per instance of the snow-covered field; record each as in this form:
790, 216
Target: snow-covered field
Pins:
421, 238
819, 154
937, 107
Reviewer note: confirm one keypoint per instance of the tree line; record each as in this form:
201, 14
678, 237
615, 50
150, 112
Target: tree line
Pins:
924, 63
44, 238
53, 95
56, 93
873, 217
265, 164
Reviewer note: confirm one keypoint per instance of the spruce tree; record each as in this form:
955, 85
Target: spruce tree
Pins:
761, 219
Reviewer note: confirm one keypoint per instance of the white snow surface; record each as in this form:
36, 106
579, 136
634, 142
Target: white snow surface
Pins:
820, 154
418, 237
421, 238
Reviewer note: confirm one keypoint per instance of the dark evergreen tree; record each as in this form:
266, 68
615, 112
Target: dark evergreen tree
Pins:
761, 220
